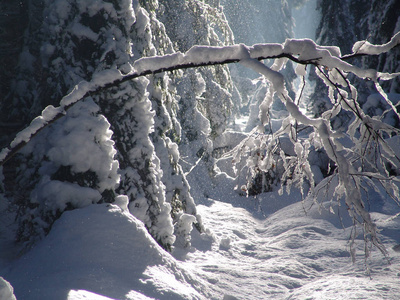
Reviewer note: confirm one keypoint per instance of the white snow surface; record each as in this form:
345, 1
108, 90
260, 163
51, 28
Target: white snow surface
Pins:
254, 248
100, 252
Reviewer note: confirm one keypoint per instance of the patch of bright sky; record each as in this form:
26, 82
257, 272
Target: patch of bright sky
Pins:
306, 20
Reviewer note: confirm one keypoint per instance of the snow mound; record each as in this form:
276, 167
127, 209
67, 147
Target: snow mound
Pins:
6, 290
292, 255
100, 252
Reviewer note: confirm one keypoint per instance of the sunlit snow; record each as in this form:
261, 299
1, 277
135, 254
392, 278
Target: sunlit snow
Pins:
256, 248
275, 245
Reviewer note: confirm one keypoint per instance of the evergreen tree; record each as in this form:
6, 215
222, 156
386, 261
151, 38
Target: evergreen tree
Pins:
205, 105
133, 130
190, 23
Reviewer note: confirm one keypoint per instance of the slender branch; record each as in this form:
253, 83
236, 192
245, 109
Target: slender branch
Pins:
354, 55
376, 49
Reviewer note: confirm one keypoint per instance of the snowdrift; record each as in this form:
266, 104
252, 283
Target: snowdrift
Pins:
100, 252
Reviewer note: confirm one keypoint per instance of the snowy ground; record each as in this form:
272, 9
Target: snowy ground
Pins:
268, 247
288, 256
257, 248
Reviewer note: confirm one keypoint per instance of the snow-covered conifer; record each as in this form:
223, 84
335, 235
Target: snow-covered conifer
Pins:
167, 128
205, 24
205, 105
77, 40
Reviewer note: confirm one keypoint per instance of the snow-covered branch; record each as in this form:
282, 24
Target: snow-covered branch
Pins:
302, 51
349, 186
362, 48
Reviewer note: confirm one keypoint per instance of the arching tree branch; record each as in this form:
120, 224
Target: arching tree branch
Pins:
299, 51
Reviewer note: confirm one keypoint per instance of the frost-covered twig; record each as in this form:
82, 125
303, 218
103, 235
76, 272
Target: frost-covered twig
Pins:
364, 48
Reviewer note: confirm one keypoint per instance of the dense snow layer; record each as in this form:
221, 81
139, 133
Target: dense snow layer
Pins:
289, 255
100, 250
256, 248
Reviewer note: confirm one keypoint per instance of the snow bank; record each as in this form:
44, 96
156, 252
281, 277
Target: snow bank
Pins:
100, 252
295, 251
